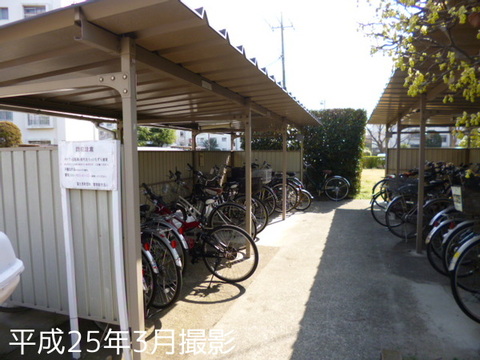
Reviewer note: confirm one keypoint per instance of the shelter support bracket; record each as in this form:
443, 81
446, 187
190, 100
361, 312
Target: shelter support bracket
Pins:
119, 81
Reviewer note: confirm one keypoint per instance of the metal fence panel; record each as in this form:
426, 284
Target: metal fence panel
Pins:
409, 157
30, 213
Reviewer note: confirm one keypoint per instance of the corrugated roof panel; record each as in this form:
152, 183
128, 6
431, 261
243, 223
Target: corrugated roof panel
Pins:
84, 41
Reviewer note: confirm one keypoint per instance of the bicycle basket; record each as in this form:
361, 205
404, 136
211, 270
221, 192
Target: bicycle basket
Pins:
402, 185
466, 200
257, 184
171, 191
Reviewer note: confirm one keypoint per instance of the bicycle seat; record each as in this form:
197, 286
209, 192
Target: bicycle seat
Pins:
327, 172
290, 173
213, 190
231, 184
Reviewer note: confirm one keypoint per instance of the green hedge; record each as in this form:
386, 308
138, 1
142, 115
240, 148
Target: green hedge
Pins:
373, 162
337, 143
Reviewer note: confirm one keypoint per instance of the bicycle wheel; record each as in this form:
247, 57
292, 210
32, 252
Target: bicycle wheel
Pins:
435, 244
304, 201
430, 209
378, 207
336, 188
231, 214
292, 197
149, 285
465, 280
259, 210
459, 236
230, 253
175, 240
169, 279
401, 216
267, 195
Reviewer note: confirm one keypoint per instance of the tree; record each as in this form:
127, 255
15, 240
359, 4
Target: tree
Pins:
433, 139
337, 143
152, 136
10, 134
378, 136
421, 38
210, 144
273, 140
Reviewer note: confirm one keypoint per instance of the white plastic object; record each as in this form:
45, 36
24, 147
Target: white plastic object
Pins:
10, 268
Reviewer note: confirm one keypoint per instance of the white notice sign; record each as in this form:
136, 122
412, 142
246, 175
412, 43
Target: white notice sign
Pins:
89, 165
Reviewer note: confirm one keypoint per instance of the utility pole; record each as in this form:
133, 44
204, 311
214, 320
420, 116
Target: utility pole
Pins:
282, 28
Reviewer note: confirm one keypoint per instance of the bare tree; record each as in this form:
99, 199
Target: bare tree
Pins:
378, 135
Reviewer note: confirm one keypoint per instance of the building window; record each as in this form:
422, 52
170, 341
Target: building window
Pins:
6, 115
32, 10
3, 13
39, 121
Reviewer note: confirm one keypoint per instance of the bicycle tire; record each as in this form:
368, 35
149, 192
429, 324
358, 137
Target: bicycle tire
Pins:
231, 213
454, 243
435, 245
401, 216
259, 210
430, 209
378, 207
149, 282
169, 278
267, 195
336, 188
292, 197
176, 242
230, 253
465, 280
304, 200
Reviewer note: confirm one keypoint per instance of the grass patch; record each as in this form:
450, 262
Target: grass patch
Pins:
369, 178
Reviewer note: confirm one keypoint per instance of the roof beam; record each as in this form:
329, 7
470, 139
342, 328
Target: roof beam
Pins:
95, 36
99, 38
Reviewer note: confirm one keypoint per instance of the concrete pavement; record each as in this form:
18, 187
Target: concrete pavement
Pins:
331, 284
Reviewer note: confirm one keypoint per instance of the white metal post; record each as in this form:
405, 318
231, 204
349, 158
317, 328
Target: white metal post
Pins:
118, 260
70, 264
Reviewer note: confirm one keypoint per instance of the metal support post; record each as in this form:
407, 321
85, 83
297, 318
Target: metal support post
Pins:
133, 260
421, 174
284, 170
248, 168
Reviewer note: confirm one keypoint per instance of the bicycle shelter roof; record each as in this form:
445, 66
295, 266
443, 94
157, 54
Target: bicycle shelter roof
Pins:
395, 103
188, 74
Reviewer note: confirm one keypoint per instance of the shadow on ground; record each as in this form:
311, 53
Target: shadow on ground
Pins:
373, 292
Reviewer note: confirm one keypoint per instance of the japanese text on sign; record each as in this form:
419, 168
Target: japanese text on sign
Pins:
89, 165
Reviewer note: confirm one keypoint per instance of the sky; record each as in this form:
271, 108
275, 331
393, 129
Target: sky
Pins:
327, 60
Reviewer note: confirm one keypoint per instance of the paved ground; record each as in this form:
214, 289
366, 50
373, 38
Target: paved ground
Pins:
332, 284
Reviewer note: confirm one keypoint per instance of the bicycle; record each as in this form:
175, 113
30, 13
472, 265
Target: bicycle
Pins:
465, 278
168, 264
228, 251
335, 187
